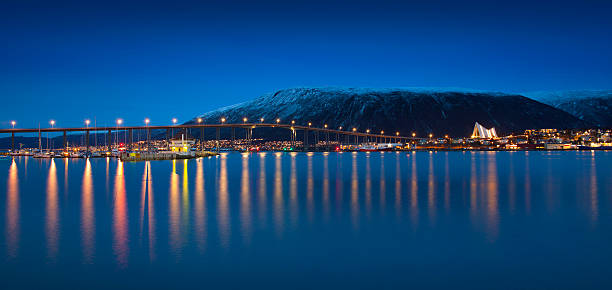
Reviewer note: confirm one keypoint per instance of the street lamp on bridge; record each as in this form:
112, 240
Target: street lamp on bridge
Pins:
13, 124
199, 120
222, 120
244, 120
277, 120
262, 120
52, 122
174, 120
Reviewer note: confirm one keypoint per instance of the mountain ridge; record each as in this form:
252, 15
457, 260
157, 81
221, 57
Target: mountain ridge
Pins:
419, 110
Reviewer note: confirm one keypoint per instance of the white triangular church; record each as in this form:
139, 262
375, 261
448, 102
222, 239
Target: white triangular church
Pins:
482, 132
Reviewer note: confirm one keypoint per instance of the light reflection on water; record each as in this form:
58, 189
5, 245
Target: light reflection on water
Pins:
286, 211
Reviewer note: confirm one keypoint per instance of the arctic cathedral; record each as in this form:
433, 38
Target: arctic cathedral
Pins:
482, 132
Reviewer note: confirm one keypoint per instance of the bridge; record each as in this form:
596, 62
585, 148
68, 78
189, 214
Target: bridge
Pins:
350, 136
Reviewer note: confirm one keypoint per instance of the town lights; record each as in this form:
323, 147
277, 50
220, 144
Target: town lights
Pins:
446, 136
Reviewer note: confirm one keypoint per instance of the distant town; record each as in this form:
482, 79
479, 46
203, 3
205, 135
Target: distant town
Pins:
180, 144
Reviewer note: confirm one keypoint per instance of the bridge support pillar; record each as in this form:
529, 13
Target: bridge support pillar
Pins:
65, 142
12, 141
39, 141
87, 142
218, 136
306, 139
109, 140
202, 138
131, 140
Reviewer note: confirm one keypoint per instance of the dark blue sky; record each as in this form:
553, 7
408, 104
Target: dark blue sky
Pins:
71, 61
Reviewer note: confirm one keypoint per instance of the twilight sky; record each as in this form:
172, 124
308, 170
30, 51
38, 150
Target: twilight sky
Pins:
70, 61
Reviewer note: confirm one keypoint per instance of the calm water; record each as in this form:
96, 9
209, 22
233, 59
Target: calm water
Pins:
280, 220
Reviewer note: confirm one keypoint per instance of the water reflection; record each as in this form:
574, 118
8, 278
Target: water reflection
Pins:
147, 210
87, 215
492, 195
431, 195
310, 190
250, 211
262, 195
52, 214
354, 192
174, 214
293, 198
383, 185
245, 199
414, 192
593, 190
223, 204
120, 230
398, 187
368, 188
12, 211
278, 193
326, 186
200, 206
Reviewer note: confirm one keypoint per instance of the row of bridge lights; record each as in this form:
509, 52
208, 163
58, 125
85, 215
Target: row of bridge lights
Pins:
244, 120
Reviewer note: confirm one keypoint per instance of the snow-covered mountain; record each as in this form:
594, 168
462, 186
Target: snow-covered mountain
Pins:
420, 110
594, 107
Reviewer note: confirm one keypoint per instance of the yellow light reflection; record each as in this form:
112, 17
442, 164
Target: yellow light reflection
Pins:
492, 196
398, 187
293, 199
200, 207
278, 194
262, 195
87, 215
354, 192
310, 189
120, 230
326, 186
12, 211
52, 219
414, 192
431, 193
368, 188
223, 205
245, 201
594, 198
